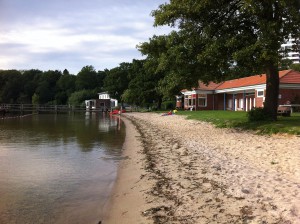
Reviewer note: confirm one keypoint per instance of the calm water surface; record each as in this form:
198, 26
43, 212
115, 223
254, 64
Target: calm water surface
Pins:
58, 168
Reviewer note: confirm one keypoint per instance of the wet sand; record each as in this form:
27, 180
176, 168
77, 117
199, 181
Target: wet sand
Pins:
185, 171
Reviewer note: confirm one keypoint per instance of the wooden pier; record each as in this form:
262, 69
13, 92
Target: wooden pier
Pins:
27, 108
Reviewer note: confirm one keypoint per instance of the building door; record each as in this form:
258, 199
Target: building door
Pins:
248, 103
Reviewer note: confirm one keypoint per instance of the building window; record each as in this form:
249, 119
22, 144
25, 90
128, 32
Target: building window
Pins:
191, 102
202, 100
260, 93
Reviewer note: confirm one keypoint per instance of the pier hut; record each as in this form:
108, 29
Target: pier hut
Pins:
103, 103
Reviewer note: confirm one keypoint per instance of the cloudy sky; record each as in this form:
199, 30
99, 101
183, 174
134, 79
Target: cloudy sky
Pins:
59, 34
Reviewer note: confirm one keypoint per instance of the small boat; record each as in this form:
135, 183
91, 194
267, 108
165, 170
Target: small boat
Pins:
117, 111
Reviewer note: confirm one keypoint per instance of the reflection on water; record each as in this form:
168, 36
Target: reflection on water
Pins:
57, 168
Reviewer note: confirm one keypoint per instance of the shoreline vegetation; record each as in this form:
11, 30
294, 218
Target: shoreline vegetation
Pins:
187, 171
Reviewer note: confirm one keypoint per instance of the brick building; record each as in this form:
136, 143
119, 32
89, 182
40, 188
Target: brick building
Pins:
240, 94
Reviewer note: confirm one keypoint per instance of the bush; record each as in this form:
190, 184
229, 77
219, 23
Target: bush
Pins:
257, 114
167, 105
78, 98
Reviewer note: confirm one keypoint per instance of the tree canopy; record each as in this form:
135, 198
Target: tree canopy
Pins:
117, 79
142, 88
50, 87
217, 40
132, 83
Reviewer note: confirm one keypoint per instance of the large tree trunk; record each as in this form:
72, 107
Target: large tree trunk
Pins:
272, 91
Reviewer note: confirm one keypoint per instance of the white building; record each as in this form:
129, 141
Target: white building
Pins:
106, 96
291, 54
104, 102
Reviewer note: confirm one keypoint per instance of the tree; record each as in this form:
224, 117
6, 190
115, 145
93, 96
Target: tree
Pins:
117, 80
100, 78
225, 38
30, 81
143, 86
35, 99
65, 87
86, 78
66, 72
168, 63
77, 98
46, 89
10, 86
295, 67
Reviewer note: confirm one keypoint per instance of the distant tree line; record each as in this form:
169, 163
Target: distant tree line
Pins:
48, 87
134, 83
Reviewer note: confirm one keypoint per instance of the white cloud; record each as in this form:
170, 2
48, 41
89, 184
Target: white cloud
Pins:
71, 34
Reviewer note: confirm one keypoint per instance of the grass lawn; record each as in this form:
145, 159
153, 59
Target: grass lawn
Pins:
230, 119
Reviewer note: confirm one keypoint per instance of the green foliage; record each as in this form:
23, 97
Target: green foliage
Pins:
86, 78
214, 42
295, 67
46, 88
219, 118
10, 86
77, 98
168, 62
142, 88
168, 105
49, 87
239, 120
30, 81
117, 80
35, 99
257, 114
285, 64
65, 87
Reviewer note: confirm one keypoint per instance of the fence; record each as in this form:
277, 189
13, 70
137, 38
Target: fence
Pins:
39, 108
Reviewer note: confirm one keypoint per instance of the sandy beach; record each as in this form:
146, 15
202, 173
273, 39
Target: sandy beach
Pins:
183, 171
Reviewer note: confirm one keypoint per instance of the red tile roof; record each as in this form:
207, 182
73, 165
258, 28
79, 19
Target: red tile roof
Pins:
285, 77
292, 77
209, 86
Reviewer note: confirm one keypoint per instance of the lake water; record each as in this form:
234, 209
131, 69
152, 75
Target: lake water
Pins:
58, 168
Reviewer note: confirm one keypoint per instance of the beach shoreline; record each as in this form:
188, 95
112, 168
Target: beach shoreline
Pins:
127, 202
185, 171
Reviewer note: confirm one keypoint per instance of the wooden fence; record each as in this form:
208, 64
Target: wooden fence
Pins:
39, 108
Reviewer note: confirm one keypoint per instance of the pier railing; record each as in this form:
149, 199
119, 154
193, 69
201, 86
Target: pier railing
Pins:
40, 108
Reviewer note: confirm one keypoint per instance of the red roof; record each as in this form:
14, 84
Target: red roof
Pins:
285, 77
292, 77
210, 86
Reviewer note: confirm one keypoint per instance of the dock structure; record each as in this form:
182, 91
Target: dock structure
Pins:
22, 108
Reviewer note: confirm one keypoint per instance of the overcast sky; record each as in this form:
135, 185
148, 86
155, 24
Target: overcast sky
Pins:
59, 34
